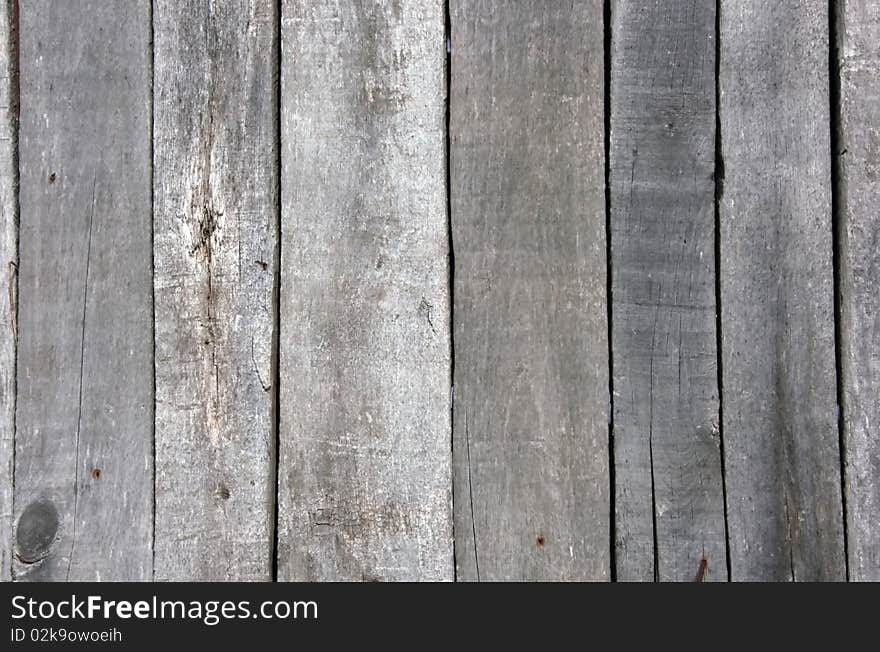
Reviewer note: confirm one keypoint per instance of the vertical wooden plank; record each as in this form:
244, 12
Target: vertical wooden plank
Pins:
858, 34
8, 278
84, 463
216, 218
365, 477
531, 345
778, 389
666, 422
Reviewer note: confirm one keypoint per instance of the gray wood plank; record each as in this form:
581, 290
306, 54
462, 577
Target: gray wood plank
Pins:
365, 461
858, 42
782, 458
8, 277
530, 444
84, 422
215, 225
665, 375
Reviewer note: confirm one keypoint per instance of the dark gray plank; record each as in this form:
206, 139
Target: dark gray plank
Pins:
859, 256
84, 422
216, 218
530, 441
782, 458
8, 280
666, 421
365, 468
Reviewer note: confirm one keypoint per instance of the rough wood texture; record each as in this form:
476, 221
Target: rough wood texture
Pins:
216, 219
530, 440
84, 423
858, 41
8, 277
666, 422
780, 414
365, 468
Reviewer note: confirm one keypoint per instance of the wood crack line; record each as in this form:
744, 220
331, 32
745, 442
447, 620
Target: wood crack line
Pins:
651, 447
467, 441
13, 299
82, 348
790, 541
263, 384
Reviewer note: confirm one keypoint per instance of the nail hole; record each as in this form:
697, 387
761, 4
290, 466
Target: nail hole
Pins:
540, 542
52, 178
96, 474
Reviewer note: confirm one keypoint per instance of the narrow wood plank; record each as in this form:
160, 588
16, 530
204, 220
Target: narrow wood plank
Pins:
365, 469
84, 422
782, 457
858, 24
666, 422
216, 219
531, 344
8, 278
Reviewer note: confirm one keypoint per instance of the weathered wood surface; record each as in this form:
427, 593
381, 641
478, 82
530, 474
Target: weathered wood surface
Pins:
8, 277
530, 446
858, 40
216, 219
295, 233
84, 461
779, 392
667, 455
365, 468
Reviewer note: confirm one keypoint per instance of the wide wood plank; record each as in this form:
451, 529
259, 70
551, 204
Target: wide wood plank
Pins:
365, 469
530, 446
216, 219
782, 458
84, 422
667, 455
8, 276
858, 23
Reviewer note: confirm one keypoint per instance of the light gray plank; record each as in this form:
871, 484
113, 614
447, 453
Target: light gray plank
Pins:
530, 440
666, 422
365, 477
778, 389
8, 277
215, 224
859, 276
84, 462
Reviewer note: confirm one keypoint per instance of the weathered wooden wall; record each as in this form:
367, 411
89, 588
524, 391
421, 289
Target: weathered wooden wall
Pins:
780, 428
436, 290
530, 435
8, 273
858, 154
215, 224
669, 486
365, 487
83, 485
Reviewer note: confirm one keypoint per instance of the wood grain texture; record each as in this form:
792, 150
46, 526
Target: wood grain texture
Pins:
216, 219
780, 416
8, 277
667, 456
530, 442
858, 41
365, 468
84, 422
